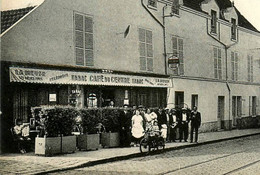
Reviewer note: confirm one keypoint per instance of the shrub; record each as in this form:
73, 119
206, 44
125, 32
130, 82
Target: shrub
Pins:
110, 119
90, 119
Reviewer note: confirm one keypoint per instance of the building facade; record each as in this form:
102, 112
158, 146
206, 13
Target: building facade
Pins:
88, 53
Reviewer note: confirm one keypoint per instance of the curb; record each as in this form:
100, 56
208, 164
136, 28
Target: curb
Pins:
135, 155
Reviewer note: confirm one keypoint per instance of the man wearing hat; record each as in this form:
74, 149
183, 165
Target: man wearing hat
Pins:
184, 124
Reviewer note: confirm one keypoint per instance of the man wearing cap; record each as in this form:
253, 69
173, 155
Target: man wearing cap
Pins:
184, 124
195, 123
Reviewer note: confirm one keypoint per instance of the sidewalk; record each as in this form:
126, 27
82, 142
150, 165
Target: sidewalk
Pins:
31, 164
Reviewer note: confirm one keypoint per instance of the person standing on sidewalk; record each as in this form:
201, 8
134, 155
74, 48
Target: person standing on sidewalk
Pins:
137, 127
172, 125
125, 125
184, 124
195, 123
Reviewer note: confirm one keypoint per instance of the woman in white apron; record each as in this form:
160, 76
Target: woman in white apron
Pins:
137, 127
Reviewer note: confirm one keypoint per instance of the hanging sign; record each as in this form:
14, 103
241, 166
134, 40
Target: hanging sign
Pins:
31, 75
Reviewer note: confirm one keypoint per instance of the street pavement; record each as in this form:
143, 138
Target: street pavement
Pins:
240, 156
31, 164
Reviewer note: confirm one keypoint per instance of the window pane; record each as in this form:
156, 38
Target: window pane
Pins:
149, 48
89, 57
180, 44
142, 63
88, 24
215, 63
219, 53
88, 41
174, 43
141, 35
142, 49
149, 37
150, 64
215, 51
79, 56
78, 22
79, 39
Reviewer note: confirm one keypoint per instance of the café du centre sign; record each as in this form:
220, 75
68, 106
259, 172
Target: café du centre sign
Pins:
32, 75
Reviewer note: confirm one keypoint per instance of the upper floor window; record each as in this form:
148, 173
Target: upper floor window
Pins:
234, 66
217, 63
175, 7
152, 3
146, 49
233, 29
83, 31
213, 21
177, 48
250, 68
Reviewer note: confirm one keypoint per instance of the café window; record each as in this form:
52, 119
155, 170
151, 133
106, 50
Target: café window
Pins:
92, 100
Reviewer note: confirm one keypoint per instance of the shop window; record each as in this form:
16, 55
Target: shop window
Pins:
234, 66
250, 68
83, 28
233, 29
92, 100
146, 49
217, 63
213, 21
177, 47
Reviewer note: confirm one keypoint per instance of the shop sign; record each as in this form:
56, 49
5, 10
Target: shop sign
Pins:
30, 75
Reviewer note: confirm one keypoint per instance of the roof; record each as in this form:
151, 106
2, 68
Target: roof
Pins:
223, 4
9, 17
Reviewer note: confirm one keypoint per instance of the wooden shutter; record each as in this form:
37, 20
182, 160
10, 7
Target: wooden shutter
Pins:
142, 63
232, 66
236, 66
215, 55
248, 68
150, 64
79, 39
180, 50
251, 71
219, 64
89, 41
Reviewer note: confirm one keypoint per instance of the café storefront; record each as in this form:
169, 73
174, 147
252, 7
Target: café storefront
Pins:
37, 86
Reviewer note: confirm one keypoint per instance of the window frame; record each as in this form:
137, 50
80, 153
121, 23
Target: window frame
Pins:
234, 66
177, 51
218, 64
85, 33
233, 29
152, 4
146, 57
250, 77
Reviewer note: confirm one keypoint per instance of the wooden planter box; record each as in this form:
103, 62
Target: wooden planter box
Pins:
111, 139
48, 146
88, 141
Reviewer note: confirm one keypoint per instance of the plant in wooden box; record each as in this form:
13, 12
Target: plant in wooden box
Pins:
58, 124
89, 140
110, 117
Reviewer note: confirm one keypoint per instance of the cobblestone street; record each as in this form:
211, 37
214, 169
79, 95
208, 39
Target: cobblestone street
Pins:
240, 156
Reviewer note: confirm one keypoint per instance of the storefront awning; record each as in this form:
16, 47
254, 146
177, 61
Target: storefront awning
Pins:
32, 75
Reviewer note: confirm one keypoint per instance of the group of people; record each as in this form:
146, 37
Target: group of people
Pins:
167, 121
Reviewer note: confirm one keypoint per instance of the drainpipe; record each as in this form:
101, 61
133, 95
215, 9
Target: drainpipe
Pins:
226, 55
163, 27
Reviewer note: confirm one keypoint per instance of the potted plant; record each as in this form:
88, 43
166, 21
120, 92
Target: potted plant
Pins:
90, 138
110, 120
58, 124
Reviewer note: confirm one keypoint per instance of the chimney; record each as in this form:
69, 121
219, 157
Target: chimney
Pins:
233, 4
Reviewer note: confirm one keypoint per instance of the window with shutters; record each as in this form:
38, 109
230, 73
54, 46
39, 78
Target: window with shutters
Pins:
233, 29
146, 49
234, 66
217, 63
152, 3
213, 21
250, 68
83, 28
177, 48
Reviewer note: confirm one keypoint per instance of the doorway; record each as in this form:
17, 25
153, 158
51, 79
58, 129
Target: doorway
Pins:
179, 99
221, 112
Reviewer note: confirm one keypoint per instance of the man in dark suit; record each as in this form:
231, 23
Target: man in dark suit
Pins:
125, 127
184, 120
161, 117
195, 123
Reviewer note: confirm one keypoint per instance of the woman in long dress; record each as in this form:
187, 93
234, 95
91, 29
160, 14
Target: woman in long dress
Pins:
137, 127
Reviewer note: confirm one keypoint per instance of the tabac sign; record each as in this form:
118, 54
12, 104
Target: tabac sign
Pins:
31, 75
